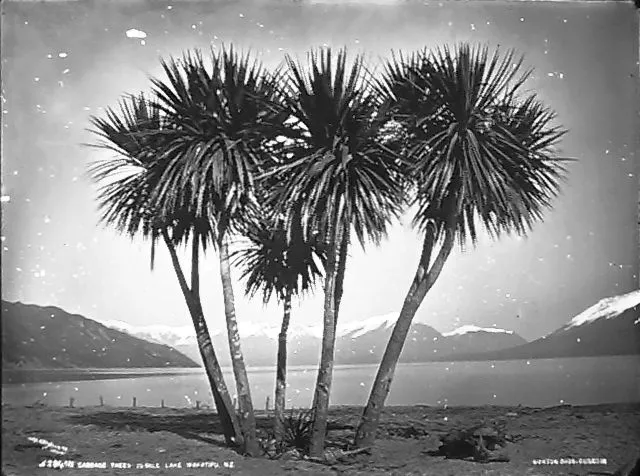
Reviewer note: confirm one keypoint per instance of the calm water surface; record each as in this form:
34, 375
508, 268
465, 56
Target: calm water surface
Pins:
576, 381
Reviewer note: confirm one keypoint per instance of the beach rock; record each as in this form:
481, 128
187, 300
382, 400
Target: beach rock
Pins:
482, 443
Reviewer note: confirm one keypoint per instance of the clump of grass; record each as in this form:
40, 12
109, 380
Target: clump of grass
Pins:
296, 436
298, 428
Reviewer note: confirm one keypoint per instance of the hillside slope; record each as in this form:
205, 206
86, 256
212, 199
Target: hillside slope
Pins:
49, 337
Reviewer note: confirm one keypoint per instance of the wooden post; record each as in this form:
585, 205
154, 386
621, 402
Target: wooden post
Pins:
101, 401
134, 402
197, 404
71, 400
162, 403
266, 404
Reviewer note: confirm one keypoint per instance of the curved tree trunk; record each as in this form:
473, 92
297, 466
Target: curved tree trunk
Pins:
422, 282
247, 415
325, 370
221, 397
281, 372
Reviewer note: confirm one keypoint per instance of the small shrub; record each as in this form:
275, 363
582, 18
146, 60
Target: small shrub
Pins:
298, 427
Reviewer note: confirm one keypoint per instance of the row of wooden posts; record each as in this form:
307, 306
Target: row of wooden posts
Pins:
134, 403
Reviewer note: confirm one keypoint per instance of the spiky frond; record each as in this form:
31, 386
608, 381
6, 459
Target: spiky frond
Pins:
334, 169
275, 262
219, 111
125, 182
479, 149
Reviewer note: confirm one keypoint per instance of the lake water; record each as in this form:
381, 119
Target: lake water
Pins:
576, 381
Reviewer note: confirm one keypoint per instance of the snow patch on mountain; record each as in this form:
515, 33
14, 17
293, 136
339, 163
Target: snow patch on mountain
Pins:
471, 328
156, 332
359, 328
607, 308
186, 335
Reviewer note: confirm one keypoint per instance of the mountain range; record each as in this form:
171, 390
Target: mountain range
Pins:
49, 337
610, 327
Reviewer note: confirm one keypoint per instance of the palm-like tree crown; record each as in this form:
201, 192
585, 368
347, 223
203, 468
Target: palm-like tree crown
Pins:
478, 149
218, 114
332, 166
131, 131
277, 263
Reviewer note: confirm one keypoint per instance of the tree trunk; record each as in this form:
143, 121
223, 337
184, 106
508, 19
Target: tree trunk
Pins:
325, 371
341, 266
340, 272
247, 416
281, 372
221, 397
422, 282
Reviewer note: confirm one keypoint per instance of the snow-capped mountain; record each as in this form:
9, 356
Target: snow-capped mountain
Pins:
462, 330
357, 342
607, 308
609, 327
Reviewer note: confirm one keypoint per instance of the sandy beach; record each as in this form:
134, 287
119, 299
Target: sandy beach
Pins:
154, 441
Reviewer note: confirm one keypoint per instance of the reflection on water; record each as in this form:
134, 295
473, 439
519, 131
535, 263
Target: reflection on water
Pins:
576, 381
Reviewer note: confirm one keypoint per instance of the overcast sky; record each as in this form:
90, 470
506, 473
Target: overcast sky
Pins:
63, 62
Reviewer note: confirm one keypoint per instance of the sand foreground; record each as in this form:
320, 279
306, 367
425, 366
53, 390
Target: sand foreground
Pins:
153, 441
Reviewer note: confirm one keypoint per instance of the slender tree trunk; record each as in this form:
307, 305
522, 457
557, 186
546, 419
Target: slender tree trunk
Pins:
281, 372
325, 371
341, 266
221, 397
422, 282
340, 272
247, 415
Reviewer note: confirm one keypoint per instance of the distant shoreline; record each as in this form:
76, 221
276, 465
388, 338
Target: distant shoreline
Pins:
20, 376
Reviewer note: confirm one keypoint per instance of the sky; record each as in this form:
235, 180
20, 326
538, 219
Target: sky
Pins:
65, 61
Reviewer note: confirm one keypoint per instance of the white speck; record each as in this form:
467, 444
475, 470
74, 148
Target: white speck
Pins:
142, 42
578, 339
241, 15
66, 71
362, 384
473, 27
446, 418
5, 198
62, 55
550, 75
488, 23
494, 395
133, 33
493, 366
49, 56
569, 256
36, 79
561, 75
47, 219
528, 362
169, 7
630, 175
521, 19
564, 21
561, 401
450, 23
